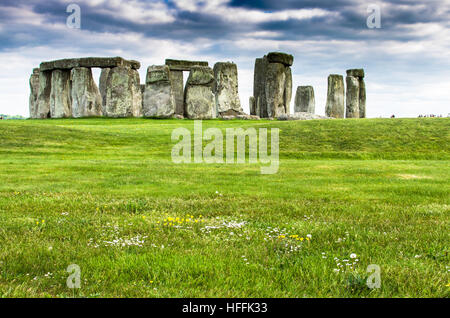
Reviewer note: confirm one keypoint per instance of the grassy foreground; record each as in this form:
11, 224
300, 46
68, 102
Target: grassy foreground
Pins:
105, 195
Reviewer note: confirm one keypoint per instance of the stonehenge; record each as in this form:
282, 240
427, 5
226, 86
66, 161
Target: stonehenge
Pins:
356, 94
272, 86
66, 89
304, 100
335, 96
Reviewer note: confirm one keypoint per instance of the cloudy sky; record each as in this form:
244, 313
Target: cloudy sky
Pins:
407, 60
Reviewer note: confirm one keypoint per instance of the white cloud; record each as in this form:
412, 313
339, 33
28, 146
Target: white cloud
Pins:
221, 9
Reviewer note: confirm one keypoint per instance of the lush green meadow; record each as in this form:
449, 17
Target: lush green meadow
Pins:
104, 194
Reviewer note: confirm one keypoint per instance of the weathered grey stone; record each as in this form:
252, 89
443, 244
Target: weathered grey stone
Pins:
199, 95
89, 62
357, 72
201, 75
43, 103
86, 98
34, 91
60, 95
335, 97
275, 89
252, 105
102, 86
362, 98
283, 58
157, 74
240, 117
182, 65
159, 100
123, 93
259, 87
178, 91
352, 99
302, 116
304, 100
226, 88
288, 90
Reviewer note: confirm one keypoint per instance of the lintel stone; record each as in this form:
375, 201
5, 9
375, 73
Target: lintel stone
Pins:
89, 62
182, 65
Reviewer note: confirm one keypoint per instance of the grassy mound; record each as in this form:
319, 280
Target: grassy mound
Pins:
104, 194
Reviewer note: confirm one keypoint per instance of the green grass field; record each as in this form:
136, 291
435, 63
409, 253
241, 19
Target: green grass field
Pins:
105, 195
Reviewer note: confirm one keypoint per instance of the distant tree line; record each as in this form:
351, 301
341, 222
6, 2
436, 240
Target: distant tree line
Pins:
4, 117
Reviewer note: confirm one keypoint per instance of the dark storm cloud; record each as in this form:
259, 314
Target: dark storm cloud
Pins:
345, 21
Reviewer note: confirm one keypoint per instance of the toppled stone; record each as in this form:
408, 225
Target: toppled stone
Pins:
352, 99
159, 100
275, 89
60, 95
304, 100
240, 117
283, 58
34, 91
43, 102
86, 98
123, 93
199, 94
335, 97
89, 62
302, 116
226, 87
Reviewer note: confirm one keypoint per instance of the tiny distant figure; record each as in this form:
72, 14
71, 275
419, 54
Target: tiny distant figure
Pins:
1, 117
393, 116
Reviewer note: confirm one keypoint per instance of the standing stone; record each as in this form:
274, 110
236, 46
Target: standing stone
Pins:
199, 95
272, 86
359, 74
252, 105
178, 91
335, 97
86, 98
60, 95
43, 103
362, 98
226, 88
102, 86
159, 100
288, 90
304, 100
275, 89
352, 99
123, 93
34, 91
259, 86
